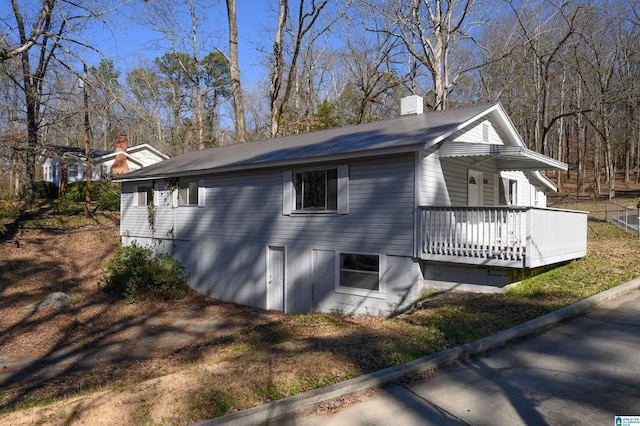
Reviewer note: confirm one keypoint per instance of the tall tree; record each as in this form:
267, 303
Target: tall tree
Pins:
305, 20
431, 31
234, 71
108, 98
181, 25
39, 37
44, 41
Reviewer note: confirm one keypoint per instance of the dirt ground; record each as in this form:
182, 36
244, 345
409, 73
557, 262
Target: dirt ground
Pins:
34, 263
172, 380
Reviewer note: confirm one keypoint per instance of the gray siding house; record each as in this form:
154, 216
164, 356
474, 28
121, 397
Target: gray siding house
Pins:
358, 219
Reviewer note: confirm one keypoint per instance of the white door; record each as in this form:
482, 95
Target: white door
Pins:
275, 278
474, 188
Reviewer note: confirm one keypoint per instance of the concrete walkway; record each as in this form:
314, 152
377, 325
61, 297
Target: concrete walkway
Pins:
584, 369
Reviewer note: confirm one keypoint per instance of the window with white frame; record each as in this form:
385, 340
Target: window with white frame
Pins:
143, 196
359, 273
316, 190
508, 191
72, 171
188, 193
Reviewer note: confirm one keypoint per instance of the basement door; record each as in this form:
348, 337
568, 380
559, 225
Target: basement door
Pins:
275, 278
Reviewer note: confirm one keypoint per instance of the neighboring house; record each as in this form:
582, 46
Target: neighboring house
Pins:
358, 219
66, 164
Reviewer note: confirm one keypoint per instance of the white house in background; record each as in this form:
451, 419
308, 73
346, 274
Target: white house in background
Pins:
359, 219
66, 164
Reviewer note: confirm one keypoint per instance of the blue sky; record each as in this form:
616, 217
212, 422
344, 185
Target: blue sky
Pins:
126, 41
131, 42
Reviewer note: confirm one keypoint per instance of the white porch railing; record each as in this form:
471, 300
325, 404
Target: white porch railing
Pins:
519, 237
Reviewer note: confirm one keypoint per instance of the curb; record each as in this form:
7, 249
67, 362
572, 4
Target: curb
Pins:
307, 401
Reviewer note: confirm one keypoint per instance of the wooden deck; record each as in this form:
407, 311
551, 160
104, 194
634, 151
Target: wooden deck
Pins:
513, 237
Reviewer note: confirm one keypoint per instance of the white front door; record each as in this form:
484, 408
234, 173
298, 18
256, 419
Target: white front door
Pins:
474, 188
275, 278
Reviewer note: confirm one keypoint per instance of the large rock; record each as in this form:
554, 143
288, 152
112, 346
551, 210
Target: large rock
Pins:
56, 300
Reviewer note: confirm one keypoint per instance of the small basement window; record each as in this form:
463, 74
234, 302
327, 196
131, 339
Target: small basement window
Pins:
359, 274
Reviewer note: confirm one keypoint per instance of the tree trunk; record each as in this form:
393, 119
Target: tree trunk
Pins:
87, 146
277, 68
234, 71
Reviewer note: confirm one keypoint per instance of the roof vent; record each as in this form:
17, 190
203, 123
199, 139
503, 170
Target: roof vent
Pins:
411, 105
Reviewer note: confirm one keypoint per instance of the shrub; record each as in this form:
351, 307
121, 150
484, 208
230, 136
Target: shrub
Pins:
46, 190
66, 206
75, 192
134, 274
11, 206
108, 197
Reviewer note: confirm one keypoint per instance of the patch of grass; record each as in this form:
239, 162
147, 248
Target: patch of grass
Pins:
215, 403
316, 319
66, 223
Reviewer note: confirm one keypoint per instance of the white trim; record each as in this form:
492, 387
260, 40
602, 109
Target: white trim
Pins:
343, 189
201, 193
381, 293
136, 192
287, 192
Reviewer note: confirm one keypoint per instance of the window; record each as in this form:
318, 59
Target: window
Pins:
359, 274
508, 192
73, 170
188, 193
143, 196
316, 190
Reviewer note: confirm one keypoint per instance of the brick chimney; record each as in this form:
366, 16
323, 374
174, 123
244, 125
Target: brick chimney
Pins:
120, 163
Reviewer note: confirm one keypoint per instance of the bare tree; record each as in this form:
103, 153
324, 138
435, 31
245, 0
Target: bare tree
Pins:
55, 37
279, 95
432, 31
234, 71
181, 26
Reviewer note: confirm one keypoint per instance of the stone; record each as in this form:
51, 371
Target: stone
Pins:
57, 300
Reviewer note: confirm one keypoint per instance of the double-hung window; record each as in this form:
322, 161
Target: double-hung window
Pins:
316, 190
72, 171
143, 196
188, 193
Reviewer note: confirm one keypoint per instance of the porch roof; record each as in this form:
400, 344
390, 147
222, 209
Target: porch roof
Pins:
508, 158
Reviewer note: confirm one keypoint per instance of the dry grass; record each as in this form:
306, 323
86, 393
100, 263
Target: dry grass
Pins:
268, 356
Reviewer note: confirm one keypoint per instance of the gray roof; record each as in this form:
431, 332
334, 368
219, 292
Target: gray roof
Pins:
60, 151
405, 133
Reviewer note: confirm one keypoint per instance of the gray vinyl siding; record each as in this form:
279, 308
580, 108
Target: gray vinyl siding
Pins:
248, 208
402, 279
433, 188
134, 219
473, 134
455, 171
224, 243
